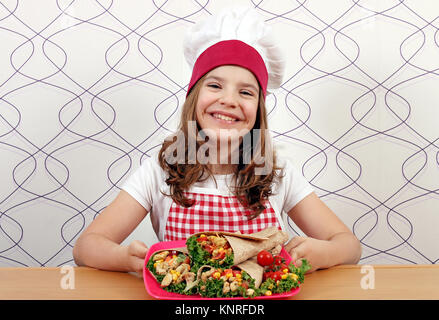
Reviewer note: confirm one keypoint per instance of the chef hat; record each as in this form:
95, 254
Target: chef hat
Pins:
235, 36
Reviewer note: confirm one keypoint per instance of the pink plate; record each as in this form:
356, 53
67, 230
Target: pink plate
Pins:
153, 287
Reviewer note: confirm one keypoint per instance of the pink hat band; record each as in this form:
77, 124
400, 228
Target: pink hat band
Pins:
230, 52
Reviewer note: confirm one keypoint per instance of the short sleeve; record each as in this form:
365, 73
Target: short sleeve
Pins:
143, 183
295, 186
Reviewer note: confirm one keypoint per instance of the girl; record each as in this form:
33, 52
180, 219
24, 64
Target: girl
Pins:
194, 185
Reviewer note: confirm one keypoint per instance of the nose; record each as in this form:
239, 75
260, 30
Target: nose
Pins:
228, 99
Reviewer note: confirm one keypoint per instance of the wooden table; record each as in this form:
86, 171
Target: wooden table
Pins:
394, 282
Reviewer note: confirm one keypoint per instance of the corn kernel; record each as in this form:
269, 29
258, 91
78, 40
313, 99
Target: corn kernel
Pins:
174, 277
238, 275
217, 275
294, 276
284, 276
268, 293
228, 275
285, 270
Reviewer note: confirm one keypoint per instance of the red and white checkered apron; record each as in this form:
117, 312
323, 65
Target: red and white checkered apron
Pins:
215, 213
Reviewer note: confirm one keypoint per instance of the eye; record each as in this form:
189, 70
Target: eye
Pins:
247, 92
214, 85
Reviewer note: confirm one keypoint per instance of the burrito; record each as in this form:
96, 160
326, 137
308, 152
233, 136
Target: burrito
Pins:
225, 249
248, 279
242, 280
172, 269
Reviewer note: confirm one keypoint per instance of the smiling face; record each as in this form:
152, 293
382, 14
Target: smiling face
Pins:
228, 101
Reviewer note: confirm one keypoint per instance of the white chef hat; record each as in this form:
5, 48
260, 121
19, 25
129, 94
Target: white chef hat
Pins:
235, 36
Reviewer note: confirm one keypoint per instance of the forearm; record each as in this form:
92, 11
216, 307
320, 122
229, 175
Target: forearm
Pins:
96, 251
344, 249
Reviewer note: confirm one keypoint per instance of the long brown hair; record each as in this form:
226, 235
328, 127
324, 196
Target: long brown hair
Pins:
251, 189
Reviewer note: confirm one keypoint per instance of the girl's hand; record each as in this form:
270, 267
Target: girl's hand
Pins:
136, 256
315, 251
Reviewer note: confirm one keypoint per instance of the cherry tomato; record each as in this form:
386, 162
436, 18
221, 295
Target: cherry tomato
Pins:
265, 258
277, 275
278, 260
267, 275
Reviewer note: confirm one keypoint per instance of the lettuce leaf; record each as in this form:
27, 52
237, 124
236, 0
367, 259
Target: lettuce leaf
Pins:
201, 257
198, 254
288, 284
213, 288
300, 271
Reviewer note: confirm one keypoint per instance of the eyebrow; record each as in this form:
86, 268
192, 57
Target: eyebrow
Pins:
244, 84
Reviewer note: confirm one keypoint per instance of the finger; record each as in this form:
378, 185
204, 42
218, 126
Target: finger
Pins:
298, 262
138, 266
138, 249
298, 252
294, 242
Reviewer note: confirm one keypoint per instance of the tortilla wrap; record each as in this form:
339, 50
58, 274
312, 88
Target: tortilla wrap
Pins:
251, 267
245, 246
244, 249
261, 235
179, 249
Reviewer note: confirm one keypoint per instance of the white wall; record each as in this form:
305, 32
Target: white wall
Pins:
88, 90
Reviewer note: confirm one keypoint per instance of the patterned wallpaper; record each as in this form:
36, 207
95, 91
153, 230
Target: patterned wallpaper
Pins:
88, 90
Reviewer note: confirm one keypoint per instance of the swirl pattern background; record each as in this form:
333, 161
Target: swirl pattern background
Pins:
88, 90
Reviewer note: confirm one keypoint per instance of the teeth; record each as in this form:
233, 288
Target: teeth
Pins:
223, 117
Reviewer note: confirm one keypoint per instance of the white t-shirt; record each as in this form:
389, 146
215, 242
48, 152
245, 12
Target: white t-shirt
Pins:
147, 185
